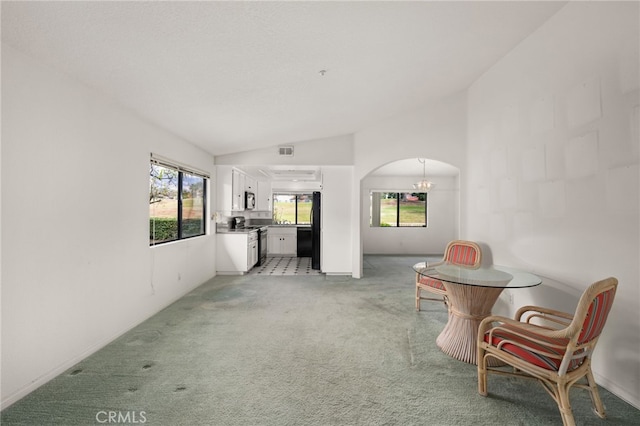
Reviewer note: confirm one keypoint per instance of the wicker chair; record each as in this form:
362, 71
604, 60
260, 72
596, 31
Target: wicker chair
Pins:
459, 252
555, 348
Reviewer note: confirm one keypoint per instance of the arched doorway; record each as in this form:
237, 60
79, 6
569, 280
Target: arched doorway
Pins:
392, 184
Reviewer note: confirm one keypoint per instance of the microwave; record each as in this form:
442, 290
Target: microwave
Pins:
249, 200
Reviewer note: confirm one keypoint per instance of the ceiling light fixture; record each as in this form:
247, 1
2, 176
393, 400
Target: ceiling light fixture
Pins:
424, 185
322, 72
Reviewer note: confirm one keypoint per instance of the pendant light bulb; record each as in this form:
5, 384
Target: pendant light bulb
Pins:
424, 185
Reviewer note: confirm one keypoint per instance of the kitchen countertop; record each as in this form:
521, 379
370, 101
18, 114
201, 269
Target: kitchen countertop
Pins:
234, 231
225, 230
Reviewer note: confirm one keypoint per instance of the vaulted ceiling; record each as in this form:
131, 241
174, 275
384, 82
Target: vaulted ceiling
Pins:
234, 76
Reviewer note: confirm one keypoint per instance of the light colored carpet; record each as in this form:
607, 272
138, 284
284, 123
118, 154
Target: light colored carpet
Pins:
292, 350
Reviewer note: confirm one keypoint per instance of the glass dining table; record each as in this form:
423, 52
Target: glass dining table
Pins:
471, 292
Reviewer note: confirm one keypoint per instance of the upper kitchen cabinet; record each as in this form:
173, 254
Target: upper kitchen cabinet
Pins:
224, 188
264, 196
250, 184
230, 189
238, 182
232, 183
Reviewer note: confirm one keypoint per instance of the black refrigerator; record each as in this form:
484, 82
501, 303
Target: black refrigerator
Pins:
315, 230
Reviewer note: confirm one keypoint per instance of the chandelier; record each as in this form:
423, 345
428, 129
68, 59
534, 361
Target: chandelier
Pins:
424, 185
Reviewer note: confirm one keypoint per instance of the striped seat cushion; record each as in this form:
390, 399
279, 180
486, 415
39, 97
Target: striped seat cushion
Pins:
461, 255
430, 282
533, 352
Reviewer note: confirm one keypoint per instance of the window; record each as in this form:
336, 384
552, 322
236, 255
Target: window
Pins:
292, 208
398, 209
177, 202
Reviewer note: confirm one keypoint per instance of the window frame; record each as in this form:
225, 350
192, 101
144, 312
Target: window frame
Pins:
397, 199
295, 194
181, 171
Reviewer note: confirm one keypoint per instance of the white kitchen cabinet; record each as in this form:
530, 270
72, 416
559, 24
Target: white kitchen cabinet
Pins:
274, 244
290, 244
250, 184
238, 188
252, 254
230, 187
236, 253
232, 183
264, 196
224, 188
282, 241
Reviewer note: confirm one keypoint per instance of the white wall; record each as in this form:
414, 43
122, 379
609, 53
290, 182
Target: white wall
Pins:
552, 182
442, 213
335, 245
77, 270
436, 131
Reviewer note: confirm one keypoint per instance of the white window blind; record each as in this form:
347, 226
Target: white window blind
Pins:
163, 161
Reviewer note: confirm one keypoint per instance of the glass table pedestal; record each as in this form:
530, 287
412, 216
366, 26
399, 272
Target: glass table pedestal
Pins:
471, 292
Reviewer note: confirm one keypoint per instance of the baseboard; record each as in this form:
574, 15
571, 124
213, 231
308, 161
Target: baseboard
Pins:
617, 390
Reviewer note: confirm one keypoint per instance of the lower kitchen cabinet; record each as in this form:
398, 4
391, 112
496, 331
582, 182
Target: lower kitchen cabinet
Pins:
236, 253
282, 241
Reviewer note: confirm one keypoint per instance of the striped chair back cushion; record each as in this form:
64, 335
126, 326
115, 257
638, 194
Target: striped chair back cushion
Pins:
461, 254
596, 316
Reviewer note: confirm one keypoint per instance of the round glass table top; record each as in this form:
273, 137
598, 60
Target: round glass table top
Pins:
484, 276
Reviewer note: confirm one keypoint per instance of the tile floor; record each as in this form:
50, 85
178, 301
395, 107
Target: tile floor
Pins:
285, 266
